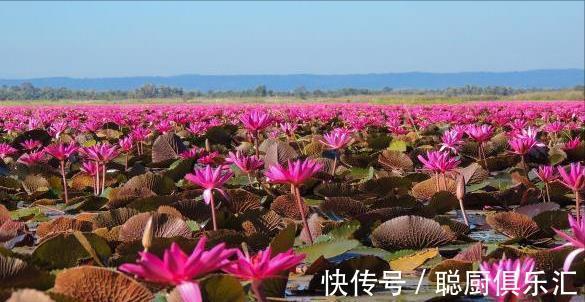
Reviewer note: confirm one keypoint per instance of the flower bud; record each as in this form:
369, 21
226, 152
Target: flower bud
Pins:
147, 235
460, 190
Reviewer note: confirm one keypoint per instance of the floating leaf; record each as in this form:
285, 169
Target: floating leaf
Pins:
451, 267
410, 232
222, 288
327, 249
411, 262
15, 273
51, 251
398, 145
94, 284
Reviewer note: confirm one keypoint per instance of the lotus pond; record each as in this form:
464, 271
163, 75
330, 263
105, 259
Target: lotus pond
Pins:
235, 202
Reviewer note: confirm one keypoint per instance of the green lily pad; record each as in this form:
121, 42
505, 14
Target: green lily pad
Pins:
222, 288
64, 250
327, 249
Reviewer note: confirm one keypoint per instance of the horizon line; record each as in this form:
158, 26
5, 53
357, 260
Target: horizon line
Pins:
283, 74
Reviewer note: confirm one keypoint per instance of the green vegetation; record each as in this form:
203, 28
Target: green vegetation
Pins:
150, 93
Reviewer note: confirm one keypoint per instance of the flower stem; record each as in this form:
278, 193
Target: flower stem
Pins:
334, 165
97, 178
302, 211
547, 191
256, 145
126, 162
104, 178
64, 182
578, 204
258, 292
213, 219
463, 212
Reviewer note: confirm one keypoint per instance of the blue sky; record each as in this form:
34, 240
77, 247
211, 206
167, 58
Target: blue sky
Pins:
103, 39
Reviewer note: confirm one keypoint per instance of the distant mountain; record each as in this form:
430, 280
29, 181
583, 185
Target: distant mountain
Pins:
550, 78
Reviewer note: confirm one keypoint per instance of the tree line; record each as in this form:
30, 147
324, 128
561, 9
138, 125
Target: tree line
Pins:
26, 91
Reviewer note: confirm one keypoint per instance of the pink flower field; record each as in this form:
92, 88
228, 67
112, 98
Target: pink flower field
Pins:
244, 202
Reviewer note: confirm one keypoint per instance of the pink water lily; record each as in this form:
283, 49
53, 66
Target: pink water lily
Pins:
572, 144
576, 241
32, 158
439, 162
451, 140
480, 134
254, 122
546, 174
495, 277
179, 269
210, 179
289, 129
126, 145
6, 150
248, 164
262, 266
100, 154
574, 180
31, 144
336, 140
62, 152
295, 174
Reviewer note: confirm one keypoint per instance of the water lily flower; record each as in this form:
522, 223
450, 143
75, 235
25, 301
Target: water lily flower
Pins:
126, 145
254, 122
336, 140
140, 135
164, 126
289, 129
32, 158
248, 164
577, 241
495, 277
522, 144
554, 127
31, 144
192, 153
210, 179
481, 133
57, 128
179, 269
574, 180
262, 266
572, 144
295, 174
6, 150
439, 162
451, 140
101, 154
62, 152
546, 174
